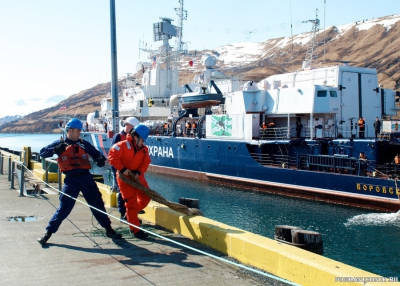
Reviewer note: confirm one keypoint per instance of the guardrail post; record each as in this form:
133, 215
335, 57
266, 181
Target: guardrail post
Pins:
11, 171
46, 166
1, 163
59, 179
22, 181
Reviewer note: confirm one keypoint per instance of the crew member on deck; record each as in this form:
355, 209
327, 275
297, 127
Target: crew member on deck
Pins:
166, 128
264, 128
194, 127
105, 127
299, 127
271, 129
363, 164
396, 165
361, 126
187, 126
377, 127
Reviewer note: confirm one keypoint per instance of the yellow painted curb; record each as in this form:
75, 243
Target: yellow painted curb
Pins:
282, 260
41, 174
109, 197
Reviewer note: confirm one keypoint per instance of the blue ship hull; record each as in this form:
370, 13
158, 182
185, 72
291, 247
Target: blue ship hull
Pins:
235, 163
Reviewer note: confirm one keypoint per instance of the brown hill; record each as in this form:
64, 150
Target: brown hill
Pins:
376, 48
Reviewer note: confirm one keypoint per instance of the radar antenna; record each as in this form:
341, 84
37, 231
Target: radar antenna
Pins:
311, 55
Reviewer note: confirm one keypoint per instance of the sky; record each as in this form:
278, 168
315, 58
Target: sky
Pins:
53, 47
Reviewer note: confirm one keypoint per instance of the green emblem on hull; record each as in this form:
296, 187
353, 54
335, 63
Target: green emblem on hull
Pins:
221, 125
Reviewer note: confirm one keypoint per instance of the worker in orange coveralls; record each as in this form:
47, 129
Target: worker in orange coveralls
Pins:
131, 155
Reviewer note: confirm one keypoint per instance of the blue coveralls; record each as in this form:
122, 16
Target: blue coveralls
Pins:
77, 180
120, 200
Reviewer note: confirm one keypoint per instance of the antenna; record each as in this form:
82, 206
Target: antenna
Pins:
324, 30
182, 14
291, 29
311, 54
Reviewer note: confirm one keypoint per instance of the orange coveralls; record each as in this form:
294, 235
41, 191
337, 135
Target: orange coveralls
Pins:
126, 155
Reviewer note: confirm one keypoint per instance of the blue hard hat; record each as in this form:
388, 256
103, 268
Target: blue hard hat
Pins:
74, 123
143, 131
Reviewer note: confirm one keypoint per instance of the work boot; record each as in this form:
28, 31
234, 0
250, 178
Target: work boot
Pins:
43, 240
123, 217
112, 233
141, 234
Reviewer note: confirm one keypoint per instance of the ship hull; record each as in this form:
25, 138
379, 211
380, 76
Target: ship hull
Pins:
229, 163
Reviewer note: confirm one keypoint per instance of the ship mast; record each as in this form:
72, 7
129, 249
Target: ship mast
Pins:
182, 14
311, 55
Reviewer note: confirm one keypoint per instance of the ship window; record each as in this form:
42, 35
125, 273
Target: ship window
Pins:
321, 93
234, 148
333, 93
229, 148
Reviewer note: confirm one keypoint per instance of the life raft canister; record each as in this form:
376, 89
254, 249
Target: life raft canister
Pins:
74, 157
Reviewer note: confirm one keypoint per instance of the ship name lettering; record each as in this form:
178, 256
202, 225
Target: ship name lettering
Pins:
161, 151
377, 189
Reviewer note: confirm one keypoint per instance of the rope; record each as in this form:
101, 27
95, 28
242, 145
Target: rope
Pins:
170, 240
134, 182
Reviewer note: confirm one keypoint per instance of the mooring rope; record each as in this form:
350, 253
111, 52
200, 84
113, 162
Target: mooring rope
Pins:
168, 239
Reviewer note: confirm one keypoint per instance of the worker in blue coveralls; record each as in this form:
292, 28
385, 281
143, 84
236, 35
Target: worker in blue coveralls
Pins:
73, 161
129, 124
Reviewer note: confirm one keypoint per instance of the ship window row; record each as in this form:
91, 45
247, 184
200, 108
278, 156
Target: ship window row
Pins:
323, 93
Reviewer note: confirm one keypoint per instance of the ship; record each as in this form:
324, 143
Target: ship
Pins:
214, 128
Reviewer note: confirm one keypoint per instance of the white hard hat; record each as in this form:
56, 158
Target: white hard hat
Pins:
132, 121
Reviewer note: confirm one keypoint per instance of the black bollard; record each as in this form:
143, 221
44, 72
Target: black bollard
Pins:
305, 239
190, 203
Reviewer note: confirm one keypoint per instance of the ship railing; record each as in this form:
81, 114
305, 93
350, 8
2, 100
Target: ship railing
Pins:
274, 133
335, 163
349, 131
388, 169
275, 160
339, 164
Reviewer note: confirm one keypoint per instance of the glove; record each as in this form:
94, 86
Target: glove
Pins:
101, 161
60, 148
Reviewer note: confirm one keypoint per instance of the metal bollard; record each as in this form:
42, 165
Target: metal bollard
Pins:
12, 175
22, 181
9, 169
25, 159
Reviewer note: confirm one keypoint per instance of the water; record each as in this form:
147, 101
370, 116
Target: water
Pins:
35, 141
361, 238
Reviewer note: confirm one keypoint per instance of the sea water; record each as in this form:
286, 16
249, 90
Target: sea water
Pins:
364, 239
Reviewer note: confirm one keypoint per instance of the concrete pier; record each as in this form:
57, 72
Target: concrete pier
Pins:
79, 253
